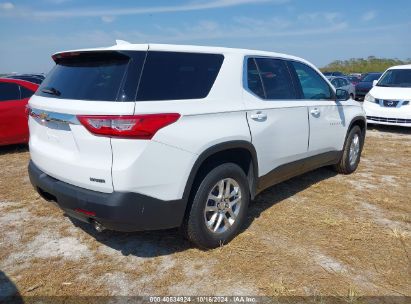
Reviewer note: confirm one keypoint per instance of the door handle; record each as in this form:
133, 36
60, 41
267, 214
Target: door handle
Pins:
258, 116
315, 111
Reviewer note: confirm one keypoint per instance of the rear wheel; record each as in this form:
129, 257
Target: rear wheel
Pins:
352, 152
219, 207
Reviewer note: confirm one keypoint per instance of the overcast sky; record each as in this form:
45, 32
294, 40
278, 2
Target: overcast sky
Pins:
317, 30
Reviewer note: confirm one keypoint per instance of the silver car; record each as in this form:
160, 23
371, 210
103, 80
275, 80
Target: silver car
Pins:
343, 83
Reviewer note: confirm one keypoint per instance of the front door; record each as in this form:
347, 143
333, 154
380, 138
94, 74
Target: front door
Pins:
277, 118
326, 115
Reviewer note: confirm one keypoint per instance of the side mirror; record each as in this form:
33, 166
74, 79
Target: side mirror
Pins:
374, 83
342, 95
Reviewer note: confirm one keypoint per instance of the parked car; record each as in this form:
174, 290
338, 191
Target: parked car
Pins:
389, 101
354, 79
365, 85
140, 137
358, 75
343, 83
14, 95
35, 78
327, 74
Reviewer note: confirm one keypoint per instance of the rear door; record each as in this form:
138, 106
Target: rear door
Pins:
13, 121
81, 83
277, 118
326, 116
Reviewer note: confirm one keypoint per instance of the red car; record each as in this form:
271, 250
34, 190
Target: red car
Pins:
14, 95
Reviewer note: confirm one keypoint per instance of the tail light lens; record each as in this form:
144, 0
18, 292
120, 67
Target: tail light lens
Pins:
128, 126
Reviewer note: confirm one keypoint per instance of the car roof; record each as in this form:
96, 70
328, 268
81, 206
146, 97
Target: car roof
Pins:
402, 67
125, 46
27, 84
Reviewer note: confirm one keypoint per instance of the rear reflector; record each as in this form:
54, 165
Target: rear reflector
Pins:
128, 126
88, 213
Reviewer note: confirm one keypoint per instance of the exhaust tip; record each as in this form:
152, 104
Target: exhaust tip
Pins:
98, 227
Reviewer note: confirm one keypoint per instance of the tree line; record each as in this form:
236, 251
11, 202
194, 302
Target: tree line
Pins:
363, 65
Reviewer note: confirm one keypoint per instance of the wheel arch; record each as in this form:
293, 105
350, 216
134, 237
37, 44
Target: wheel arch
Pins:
360, 121
240, 152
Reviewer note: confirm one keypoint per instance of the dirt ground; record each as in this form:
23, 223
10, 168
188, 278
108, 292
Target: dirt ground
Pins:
320, 234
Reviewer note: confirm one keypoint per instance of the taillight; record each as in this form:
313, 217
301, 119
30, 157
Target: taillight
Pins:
142, 126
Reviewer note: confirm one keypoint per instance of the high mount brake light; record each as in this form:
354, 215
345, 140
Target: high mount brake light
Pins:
142, 126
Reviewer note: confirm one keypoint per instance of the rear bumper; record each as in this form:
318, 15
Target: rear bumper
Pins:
121, 211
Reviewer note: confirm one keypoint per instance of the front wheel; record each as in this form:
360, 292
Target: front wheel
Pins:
219, 207
352, 152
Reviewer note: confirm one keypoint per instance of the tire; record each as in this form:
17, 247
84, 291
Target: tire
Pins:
349, 160
212, 187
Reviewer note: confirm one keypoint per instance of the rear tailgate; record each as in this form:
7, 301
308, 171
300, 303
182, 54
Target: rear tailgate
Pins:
93, 83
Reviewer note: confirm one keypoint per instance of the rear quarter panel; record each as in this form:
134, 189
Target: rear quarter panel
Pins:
160, 168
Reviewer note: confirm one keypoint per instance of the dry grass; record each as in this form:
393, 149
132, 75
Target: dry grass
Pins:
320, 234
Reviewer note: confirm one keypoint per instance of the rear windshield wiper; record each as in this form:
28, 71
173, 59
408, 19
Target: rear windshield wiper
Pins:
51, 91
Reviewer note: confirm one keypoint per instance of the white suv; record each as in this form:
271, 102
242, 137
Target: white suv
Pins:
138, 137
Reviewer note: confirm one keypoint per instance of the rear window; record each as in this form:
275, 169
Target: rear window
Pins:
175, 75
89, 76
116, 76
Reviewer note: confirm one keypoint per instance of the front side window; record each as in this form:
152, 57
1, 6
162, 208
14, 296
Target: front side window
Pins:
9, 91
313, 86
396, 78
177, 75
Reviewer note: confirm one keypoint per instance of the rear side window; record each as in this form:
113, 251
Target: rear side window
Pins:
276, 78
270, 79
176, 75
254, 83
9, 91
313, 86
90, 76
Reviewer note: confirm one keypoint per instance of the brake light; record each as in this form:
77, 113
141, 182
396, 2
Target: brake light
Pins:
142, 126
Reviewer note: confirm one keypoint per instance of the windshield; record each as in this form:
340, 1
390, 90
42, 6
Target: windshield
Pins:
396, 78
371, 77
